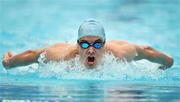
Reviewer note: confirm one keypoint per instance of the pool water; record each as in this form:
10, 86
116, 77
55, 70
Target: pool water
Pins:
34, 24
91, 91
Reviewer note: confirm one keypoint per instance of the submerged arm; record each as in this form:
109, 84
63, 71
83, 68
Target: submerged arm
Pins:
149, 53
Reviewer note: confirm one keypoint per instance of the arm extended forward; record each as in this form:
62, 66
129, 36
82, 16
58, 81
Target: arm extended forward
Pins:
22, 59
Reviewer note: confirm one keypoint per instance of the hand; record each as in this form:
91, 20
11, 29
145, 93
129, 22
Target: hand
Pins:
162, 67
6, 58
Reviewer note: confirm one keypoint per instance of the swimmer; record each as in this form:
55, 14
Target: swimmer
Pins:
91, 46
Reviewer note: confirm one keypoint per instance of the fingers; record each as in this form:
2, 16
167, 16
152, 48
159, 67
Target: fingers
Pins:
162, 67
10, 54
5, 63
6, 58
7, 55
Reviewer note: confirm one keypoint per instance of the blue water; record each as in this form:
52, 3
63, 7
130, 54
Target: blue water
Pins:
33, 24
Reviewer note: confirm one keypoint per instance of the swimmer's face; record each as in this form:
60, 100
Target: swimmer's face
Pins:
89, 55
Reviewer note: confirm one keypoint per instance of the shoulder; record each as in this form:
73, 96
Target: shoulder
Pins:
58, 45
117, 43
119, 46
61, 51
121, 49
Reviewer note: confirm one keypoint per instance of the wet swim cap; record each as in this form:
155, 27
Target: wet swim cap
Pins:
91, 28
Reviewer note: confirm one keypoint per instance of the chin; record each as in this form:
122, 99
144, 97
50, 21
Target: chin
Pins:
90, 66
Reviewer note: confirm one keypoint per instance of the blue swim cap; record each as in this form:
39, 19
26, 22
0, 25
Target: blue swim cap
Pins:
91, 28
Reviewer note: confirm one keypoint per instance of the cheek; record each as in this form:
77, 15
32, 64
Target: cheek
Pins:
99, 52
82, 52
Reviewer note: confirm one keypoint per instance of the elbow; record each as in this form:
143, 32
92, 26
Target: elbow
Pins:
30, 52
144, 51
33, 53
30, 56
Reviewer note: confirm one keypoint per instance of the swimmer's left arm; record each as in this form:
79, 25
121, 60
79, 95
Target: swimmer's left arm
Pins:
136, 52
151, 54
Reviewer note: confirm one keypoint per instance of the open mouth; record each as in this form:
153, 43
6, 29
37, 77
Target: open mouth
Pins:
91, 59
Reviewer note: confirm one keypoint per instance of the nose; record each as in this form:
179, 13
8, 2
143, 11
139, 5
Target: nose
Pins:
91, 50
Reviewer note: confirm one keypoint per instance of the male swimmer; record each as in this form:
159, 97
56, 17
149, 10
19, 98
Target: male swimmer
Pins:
91, 46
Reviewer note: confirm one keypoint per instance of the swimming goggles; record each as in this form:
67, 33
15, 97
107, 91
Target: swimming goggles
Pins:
96, 44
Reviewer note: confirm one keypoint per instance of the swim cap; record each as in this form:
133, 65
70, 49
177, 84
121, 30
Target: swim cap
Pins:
91, 28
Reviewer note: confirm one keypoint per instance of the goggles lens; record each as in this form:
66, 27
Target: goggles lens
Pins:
96, 44
84, 45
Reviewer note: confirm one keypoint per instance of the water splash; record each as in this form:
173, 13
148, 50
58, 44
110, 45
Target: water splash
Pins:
110, 69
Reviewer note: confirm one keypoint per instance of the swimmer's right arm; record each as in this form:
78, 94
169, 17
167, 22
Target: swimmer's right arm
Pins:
22, 59
60, 51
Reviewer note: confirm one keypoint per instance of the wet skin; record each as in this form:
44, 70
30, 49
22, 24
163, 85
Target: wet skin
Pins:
91, 56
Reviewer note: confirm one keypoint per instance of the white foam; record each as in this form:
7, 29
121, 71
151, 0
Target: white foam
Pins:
111, 68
